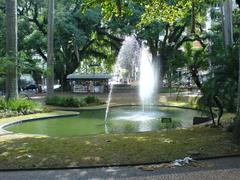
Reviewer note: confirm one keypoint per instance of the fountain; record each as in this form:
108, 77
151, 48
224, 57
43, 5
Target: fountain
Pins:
129, 52
123, 119
147, 81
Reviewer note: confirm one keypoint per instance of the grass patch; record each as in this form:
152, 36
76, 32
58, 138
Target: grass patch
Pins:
175, 103
114, 149
172, 90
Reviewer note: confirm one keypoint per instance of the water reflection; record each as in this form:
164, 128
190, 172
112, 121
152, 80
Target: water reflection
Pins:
121, 120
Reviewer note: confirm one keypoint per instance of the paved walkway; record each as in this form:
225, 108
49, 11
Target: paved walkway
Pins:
215, 169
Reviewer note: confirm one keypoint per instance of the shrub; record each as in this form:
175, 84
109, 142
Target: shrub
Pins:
72, 102
92, 100
53, 101
23, 106
63, 101
82, 102
3, 104
8, 113
17, 107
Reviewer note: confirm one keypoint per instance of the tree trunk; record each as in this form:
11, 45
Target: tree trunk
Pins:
227, 22
156, 61
195, 77
219, 104
238, 98
193, 17
210, 106
11, 48
64, 83
50, 61
238, 95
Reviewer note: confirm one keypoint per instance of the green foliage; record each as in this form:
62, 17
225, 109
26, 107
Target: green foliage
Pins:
3, 104
30, 40
82, 102
166, 11
21, 105
154, 10
62, 101
223, 77
195, 58
236, 24
92, 100
72, 101
171, 90
15, 107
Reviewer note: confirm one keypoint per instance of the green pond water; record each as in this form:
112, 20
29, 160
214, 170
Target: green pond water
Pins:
121, 120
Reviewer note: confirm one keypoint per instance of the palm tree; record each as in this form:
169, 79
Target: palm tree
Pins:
221, 86
11, 49
50, 61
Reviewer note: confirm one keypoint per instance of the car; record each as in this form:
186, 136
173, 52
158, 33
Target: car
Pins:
31, 87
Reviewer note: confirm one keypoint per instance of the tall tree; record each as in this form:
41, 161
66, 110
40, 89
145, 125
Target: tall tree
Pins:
238, 98
50, 58
11, 49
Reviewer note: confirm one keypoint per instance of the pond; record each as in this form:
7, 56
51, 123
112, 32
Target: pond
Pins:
125, 119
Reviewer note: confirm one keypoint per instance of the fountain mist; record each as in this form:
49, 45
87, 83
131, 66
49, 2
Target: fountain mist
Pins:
147, 80
128, 54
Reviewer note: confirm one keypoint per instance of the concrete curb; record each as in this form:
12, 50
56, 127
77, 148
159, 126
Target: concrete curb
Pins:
116, 165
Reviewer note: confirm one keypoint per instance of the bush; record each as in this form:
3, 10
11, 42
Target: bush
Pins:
23, 106
70, 101
3, 104
92, 100
63, 101
17, 107
73, 102
82, 102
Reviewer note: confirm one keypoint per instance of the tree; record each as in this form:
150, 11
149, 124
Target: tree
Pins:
80, 36
167, 19
226, 13
77, 36
238, 95
220, 88
11, 49
50, 61
196, 60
